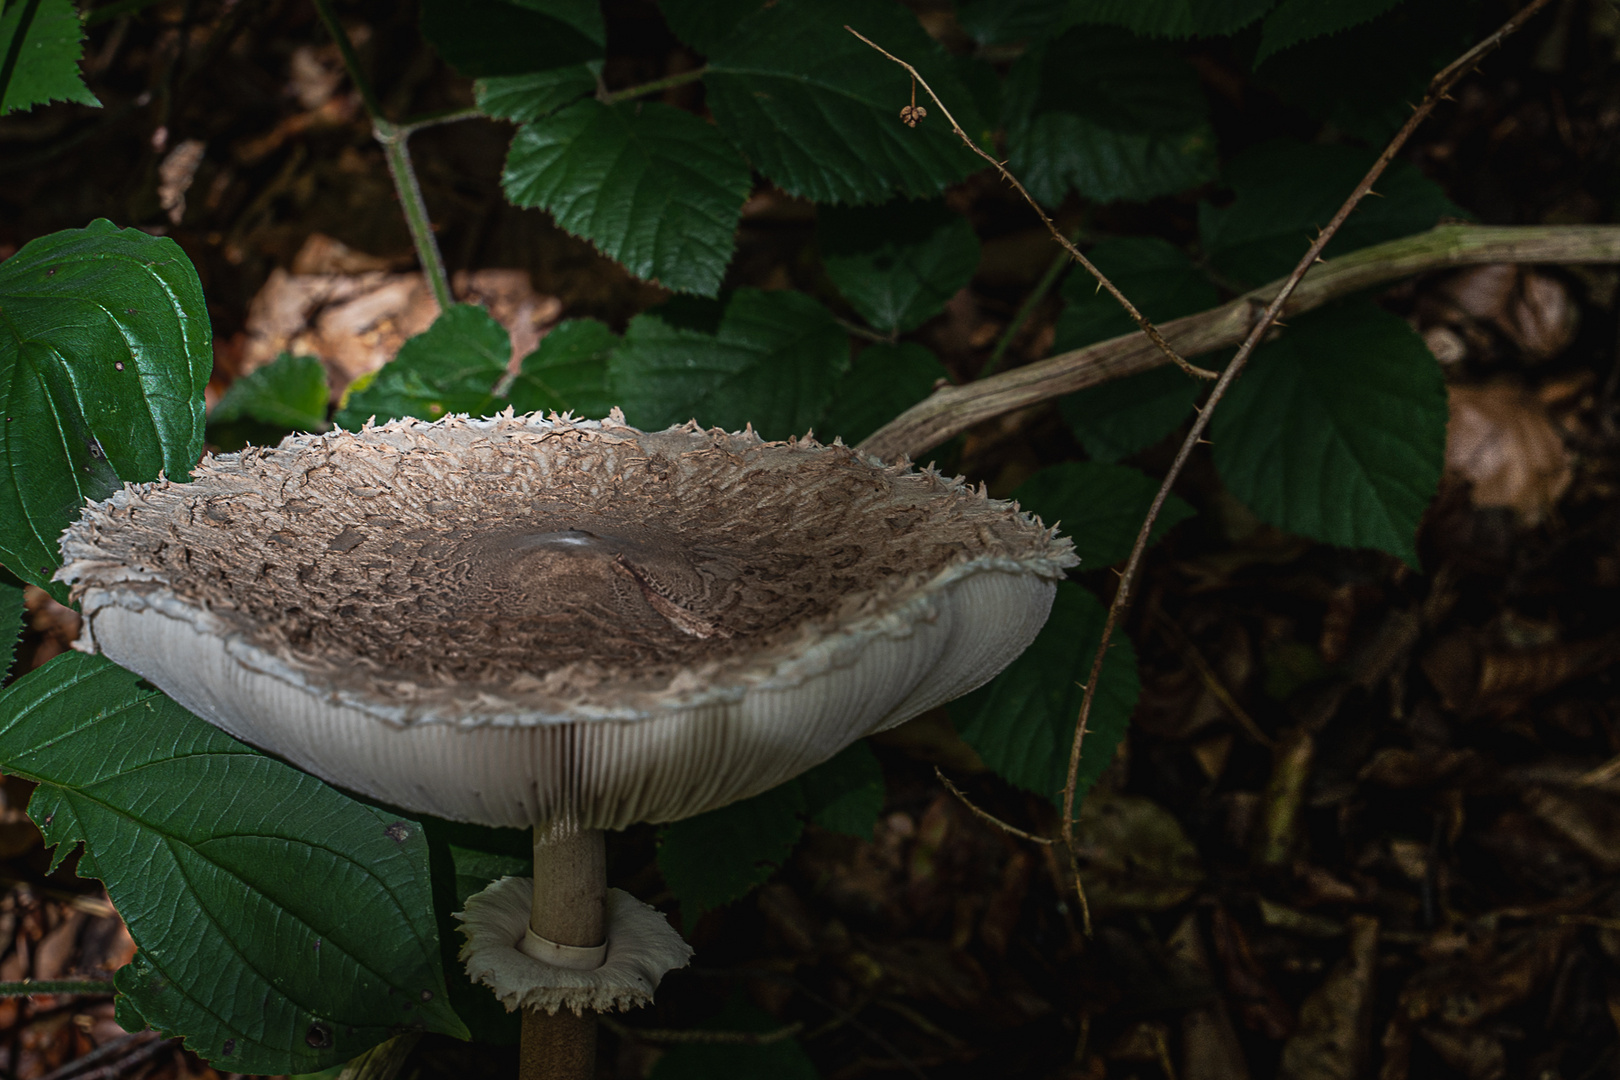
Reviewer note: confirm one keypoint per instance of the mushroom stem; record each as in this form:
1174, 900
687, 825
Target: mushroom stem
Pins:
570, 896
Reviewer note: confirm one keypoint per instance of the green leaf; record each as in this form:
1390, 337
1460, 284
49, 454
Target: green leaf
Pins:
1337, 430
1022, 722
484, 38
712, 859
568, 372
651, 186
1328, 77
451, 367
104, 352
779, 1059
1121, 417
522, 98
897, 263
1172, 18
818, 112
1101, 507
282, 926
883, 382
1004, 22
1112, 116
766, 358
1286, 192
47, 66
1295, 21
704, 24
289, 393
1118, 418
11, 625
845, 795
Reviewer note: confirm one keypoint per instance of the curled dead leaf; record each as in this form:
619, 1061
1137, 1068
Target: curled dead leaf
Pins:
1501, 439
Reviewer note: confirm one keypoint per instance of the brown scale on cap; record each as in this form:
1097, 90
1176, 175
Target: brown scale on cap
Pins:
527, 558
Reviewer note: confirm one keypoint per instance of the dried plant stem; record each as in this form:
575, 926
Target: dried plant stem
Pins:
985, 815
1102, 279
1438, 89
698, 1036
953, 409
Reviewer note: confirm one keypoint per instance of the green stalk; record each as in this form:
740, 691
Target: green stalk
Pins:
394, 139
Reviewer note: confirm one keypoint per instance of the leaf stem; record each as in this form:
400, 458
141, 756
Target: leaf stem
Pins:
613, 97
1436, 92
396, 150
953, 409
82, 987
14, 52
1025, 310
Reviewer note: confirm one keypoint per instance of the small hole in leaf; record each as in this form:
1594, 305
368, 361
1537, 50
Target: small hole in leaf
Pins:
318, 1036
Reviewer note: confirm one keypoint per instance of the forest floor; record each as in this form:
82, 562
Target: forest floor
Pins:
1367, 819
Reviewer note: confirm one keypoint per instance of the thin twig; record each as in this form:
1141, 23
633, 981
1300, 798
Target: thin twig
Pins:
699, 1036
79, 987
112, 1048
613, 97
1212, 681
1102, 279
395, 143
985, 815
1437, 90
951, 410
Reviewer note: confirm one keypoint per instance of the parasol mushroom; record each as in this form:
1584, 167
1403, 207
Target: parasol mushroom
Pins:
565, 625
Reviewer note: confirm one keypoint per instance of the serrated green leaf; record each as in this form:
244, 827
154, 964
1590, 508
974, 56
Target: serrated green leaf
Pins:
485, 38
282, 926
522, 98
845, 795
11, 625
1287, 191
47, 67
1328, 77
1337, 430
779, 1059
883, 382
1112, 116
766, 358
818, 112
568, 372
104, 352
1118, 418
1121, 417
897, 264
451, 367
1003, 22
1022, 722
1171, 18
1100, 507
712, 859
1294, 21
651, 186
703, 24
290, 393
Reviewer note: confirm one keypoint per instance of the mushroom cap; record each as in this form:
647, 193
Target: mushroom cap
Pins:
519, 619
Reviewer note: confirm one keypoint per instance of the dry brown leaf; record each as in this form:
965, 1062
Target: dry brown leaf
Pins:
355, 317
1209, 1043
1331, 1043
1501, 439
1133, 854
175, 174
1532, 309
